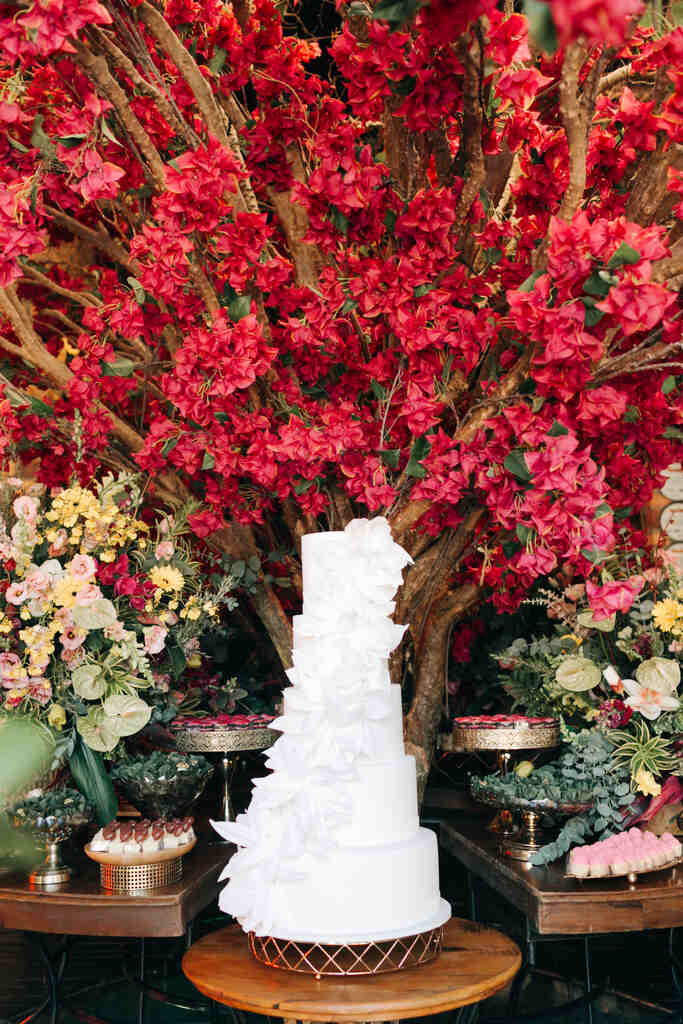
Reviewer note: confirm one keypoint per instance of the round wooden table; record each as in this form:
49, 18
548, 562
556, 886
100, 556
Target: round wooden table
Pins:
475, 962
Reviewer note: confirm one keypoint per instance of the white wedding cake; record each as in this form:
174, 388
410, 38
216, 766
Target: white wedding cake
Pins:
330, 848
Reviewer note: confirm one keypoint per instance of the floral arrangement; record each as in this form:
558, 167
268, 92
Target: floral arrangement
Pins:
613, 662
97, 608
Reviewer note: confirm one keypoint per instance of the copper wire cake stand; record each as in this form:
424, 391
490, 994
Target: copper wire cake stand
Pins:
504, 740
229, 743
319, 958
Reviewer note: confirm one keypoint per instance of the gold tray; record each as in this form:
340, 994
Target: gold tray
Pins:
506, 737
223, 740
158, 857
632, 876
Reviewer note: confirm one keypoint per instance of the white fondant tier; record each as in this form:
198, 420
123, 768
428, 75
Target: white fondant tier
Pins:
383, 736
362, 894
384, 803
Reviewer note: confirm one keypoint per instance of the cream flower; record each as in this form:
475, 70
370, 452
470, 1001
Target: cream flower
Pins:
645, 783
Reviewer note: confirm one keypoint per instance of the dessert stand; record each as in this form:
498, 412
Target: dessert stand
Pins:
504, 735
140, 871
229, 742
630, 876
527, 840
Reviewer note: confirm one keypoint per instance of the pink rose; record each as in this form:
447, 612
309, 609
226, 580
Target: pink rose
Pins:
115, 631
25, 508
82, 568
164, 550
64, 618
616, 596
155, 639
87, 594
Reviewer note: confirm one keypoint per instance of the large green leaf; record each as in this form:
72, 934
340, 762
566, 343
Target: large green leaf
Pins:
90, 776
26, 753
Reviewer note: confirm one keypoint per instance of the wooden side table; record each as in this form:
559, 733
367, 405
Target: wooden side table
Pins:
81, 907
475, 962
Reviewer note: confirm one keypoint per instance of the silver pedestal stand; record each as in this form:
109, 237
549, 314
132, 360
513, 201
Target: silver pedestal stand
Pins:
229, 743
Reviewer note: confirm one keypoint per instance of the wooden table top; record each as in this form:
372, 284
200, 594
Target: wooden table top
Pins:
558, 905
81, 907
474, 963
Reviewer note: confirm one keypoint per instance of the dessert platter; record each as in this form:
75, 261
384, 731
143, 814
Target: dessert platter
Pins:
625, 855
504, 734
141, 854
227, 735
334, 874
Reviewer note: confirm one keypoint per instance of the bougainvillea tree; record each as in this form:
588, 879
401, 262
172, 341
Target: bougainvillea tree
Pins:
431, 272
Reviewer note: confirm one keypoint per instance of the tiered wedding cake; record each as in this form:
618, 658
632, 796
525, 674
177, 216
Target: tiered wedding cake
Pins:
331, 849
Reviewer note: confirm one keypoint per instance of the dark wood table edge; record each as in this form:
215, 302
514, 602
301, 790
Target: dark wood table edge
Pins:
162, 913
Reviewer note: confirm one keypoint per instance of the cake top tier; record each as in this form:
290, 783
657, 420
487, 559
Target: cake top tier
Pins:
350, 570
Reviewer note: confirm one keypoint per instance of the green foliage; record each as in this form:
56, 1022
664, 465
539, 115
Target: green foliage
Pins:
89, 774
67, 805
161, 766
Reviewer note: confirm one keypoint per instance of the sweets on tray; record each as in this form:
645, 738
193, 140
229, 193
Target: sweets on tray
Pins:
621, 854
222, 722
132, 838
500, 721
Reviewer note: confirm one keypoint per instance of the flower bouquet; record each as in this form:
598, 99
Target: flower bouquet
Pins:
96, 606
612, 666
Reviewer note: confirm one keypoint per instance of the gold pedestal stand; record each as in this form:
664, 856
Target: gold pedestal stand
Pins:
320, 958
528, 839
505, 740
229, 743
53, 870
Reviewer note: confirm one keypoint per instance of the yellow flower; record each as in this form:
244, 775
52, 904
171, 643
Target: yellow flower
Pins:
56, 716
65, 592
194, 661
193, 612
5, 624
645, 783
24, 613
665, 613
108, 555
166, 577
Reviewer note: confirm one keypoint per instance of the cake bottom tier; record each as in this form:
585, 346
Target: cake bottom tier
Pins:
360, 894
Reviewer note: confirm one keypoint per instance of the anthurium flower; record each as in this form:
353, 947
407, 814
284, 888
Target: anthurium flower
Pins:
577, 674
661, 674
126, 714
88, 682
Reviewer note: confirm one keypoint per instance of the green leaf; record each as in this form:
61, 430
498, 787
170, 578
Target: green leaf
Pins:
558, 429
421, 447
390, 457
41, 408
208, 462
41, 141
541, 25
423, 289
602, 510
378, 390
515, 463
624, 513
390, 218
254, 563
89, 774
669, 385
595, 285
594, 554
222, 417
631, 414
108, 133
524, 533
349, 306
396, 12
238, 568
119, 368
217, 62
70, 141
303, 486
528, 285
168, 445
624, 255
239, 308
138, 290
493, 255
591, 315
673, 433
340, 222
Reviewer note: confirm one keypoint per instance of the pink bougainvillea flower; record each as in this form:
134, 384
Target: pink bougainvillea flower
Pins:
82, 568
614, 596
